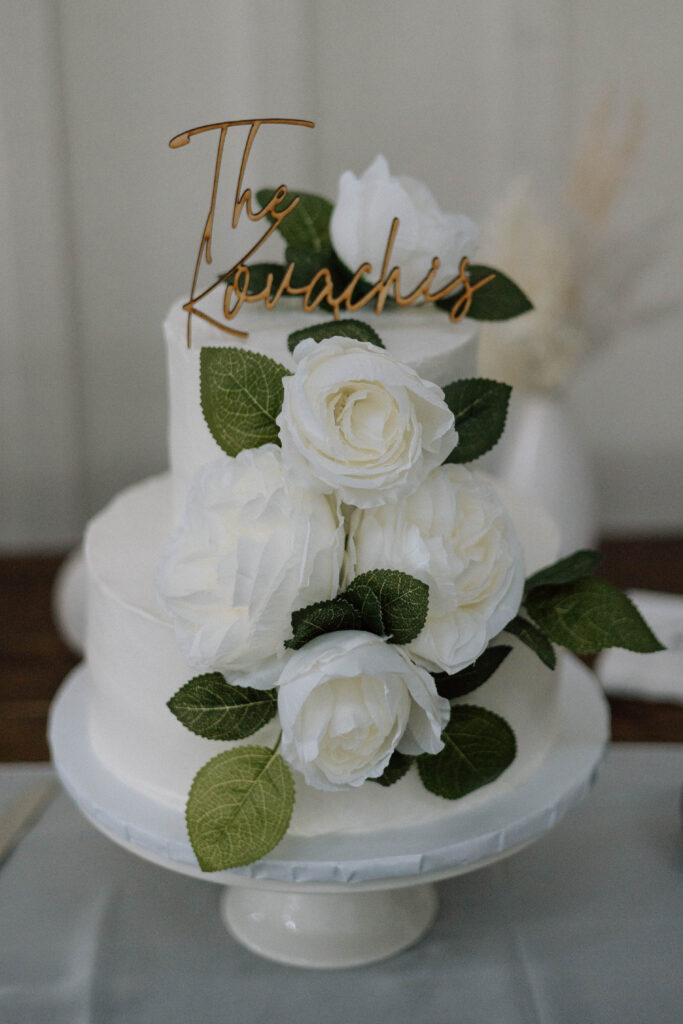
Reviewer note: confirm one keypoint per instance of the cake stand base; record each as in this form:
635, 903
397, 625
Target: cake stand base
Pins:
322, 930
343, 900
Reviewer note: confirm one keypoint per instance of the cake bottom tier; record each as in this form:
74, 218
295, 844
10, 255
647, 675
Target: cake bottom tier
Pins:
135, 666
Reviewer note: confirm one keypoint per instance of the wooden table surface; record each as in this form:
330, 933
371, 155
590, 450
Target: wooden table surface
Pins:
34, 660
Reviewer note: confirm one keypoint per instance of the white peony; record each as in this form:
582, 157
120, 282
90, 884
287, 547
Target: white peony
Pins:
252, 547
456, 536
362, 218
356, 421
347, 700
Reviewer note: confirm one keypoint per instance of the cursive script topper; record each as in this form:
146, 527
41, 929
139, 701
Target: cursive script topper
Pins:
321, 286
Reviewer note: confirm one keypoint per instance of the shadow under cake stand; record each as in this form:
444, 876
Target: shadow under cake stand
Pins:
341, 901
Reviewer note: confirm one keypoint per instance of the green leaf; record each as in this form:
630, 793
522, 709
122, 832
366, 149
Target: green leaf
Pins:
323, 617
258, 276
480, 410
535, 640
334, 329
239, 807
367, 607
213, 708
395, 770
403, 600
307, 263
472, 677
342, 277
308, 225
479, 746
241, 396
574, 567
501, 299
588, 615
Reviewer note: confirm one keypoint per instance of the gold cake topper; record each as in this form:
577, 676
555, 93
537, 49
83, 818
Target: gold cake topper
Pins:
320, 288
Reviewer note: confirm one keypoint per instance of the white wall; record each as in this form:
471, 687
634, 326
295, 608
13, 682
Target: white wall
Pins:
100, 219
630, 399
41, 449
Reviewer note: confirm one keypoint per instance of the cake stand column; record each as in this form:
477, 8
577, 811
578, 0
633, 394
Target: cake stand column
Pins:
341, 929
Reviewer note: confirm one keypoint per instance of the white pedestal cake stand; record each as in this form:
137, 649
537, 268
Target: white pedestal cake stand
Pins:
341, 901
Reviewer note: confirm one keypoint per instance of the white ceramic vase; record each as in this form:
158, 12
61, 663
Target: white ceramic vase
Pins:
542, 455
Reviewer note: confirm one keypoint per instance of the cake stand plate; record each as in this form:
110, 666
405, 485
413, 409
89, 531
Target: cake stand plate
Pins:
343, 900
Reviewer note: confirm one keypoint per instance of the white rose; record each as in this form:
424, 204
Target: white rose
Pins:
356, 421
455, 535
362, 218
252, 547
347, 701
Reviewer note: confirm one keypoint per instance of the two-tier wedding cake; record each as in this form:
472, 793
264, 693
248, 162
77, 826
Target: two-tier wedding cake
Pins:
323, 620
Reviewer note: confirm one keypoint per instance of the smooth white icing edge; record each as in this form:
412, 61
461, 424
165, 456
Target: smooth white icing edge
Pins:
136, 666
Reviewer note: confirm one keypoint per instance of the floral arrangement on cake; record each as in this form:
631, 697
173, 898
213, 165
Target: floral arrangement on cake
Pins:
342, 568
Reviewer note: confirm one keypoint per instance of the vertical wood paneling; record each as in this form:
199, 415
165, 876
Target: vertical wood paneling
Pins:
532, 61
40, 440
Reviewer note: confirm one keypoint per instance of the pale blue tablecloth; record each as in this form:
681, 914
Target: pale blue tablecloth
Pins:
585, 926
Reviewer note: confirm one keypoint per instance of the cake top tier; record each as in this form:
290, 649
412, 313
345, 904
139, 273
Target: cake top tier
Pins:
383, 252
422, 337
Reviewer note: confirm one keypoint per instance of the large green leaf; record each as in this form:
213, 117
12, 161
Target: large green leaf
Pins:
383, 601
259, 274
500, 299
479, 407
307, 263
472, 677
213, 708
323, 617
239, 807
308, 225
478, 746
395, 770
403, 601
367, 607
573, 567
347, 328
534, 638
588, 615
241, 396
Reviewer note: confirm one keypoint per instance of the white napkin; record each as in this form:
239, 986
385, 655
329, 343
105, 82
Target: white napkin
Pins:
656, 676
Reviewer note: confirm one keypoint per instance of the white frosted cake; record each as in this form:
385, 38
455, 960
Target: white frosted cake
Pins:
324, 621
134, 660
